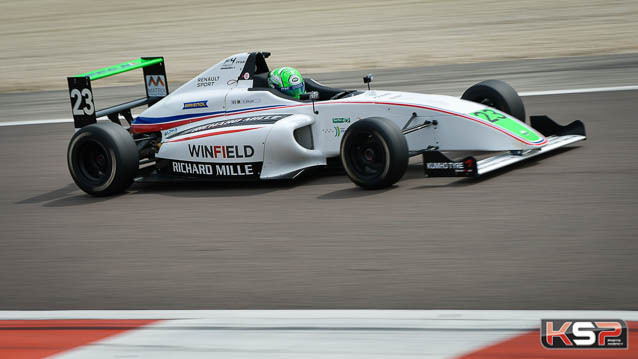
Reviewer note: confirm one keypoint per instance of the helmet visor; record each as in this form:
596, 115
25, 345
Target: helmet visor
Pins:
294, 90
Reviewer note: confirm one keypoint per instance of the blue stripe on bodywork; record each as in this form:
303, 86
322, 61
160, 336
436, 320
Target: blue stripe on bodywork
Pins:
141, 120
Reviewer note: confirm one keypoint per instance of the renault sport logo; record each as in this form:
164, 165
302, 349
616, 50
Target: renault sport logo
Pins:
584, 334
156, 85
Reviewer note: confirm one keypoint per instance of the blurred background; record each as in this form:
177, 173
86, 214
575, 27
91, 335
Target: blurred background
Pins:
44, 41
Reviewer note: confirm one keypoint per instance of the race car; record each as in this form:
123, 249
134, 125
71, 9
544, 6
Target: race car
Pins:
227, 124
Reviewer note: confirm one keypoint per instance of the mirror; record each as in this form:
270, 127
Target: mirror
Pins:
312, 95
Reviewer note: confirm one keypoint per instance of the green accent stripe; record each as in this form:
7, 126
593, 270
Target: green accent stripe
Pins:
507, 123
119, 68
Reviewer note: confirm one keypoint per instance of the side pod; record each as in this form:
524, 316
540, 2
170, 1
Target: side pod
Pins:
436, 164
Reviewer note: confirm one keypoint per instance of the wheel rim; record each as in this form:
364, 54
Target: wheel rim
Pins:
366, 155
94, 162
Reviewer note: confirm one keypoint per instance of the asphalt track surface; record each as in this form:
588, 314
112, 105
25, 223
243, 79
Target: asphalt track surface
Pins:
553, 233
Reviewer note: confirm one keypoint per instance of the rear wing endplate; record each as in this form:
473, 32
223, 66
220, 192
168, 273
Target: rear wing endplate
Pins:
437, 164
81, 94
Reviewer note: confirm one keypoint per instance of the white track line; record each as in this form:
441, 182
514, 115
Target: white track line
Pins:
524, 94
42, 122
35, 122
572, 91
280, 316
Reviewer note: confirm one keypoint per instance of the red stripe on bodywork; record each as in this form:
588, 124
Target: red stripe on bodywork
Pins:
147, 127
158, 127
26, 339
453, 114
528, 346
214, 134
141, 128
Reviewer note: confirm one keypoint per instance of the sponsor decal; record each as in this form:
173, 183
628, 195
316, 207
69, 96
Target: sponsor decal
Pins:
156, 85
234, 170
242, 121
169, 131
335, 131
444, 166
439, 166
195, 104
193, 168
206, 81
340, 120
246, 76
245, 101
217, 170
584, 334
231, 62
221, 151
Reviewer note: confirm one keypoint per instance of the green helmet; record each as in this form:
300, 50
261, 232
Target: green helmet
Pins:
287, 80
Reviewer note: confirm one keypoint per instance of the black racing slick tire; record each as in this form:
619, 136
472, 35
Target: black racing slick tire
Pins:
103, 159
374, 153
497, 94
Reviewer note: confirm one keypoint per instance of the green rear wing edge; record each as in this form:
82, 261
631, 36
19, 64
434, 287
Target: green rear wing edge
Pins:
81, 93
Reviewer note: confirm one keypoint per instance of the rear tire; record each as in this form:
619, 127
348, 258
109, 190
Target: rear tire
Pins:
374, 153
102, 159
497, 94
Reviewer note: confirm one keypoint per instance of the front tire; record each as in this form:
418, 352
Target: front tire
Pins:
374, 153
102, 159
497, 94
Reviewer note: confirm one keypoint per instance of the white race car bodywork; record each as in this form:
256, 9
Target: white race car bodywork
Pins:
219, 125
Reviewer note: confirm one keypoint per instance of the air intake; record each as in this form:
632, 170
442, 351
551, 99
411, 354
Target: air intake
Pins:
303, 136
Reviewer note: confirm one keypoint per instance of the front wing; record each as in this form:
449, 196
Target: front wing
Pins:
437, 164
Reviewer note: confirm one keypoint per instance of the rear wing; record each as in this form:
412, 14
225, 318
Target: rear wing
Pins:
81, 94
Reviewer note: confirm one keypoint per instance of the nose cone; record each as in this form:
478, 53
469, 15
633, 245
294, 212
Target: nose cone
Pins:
509, 125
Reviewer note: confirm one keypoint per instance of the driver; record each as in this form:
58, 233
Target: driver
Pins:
287, 80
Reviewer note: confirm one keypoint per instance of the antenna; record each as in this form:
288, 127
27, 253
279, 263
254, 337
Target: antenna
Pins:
367, 79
